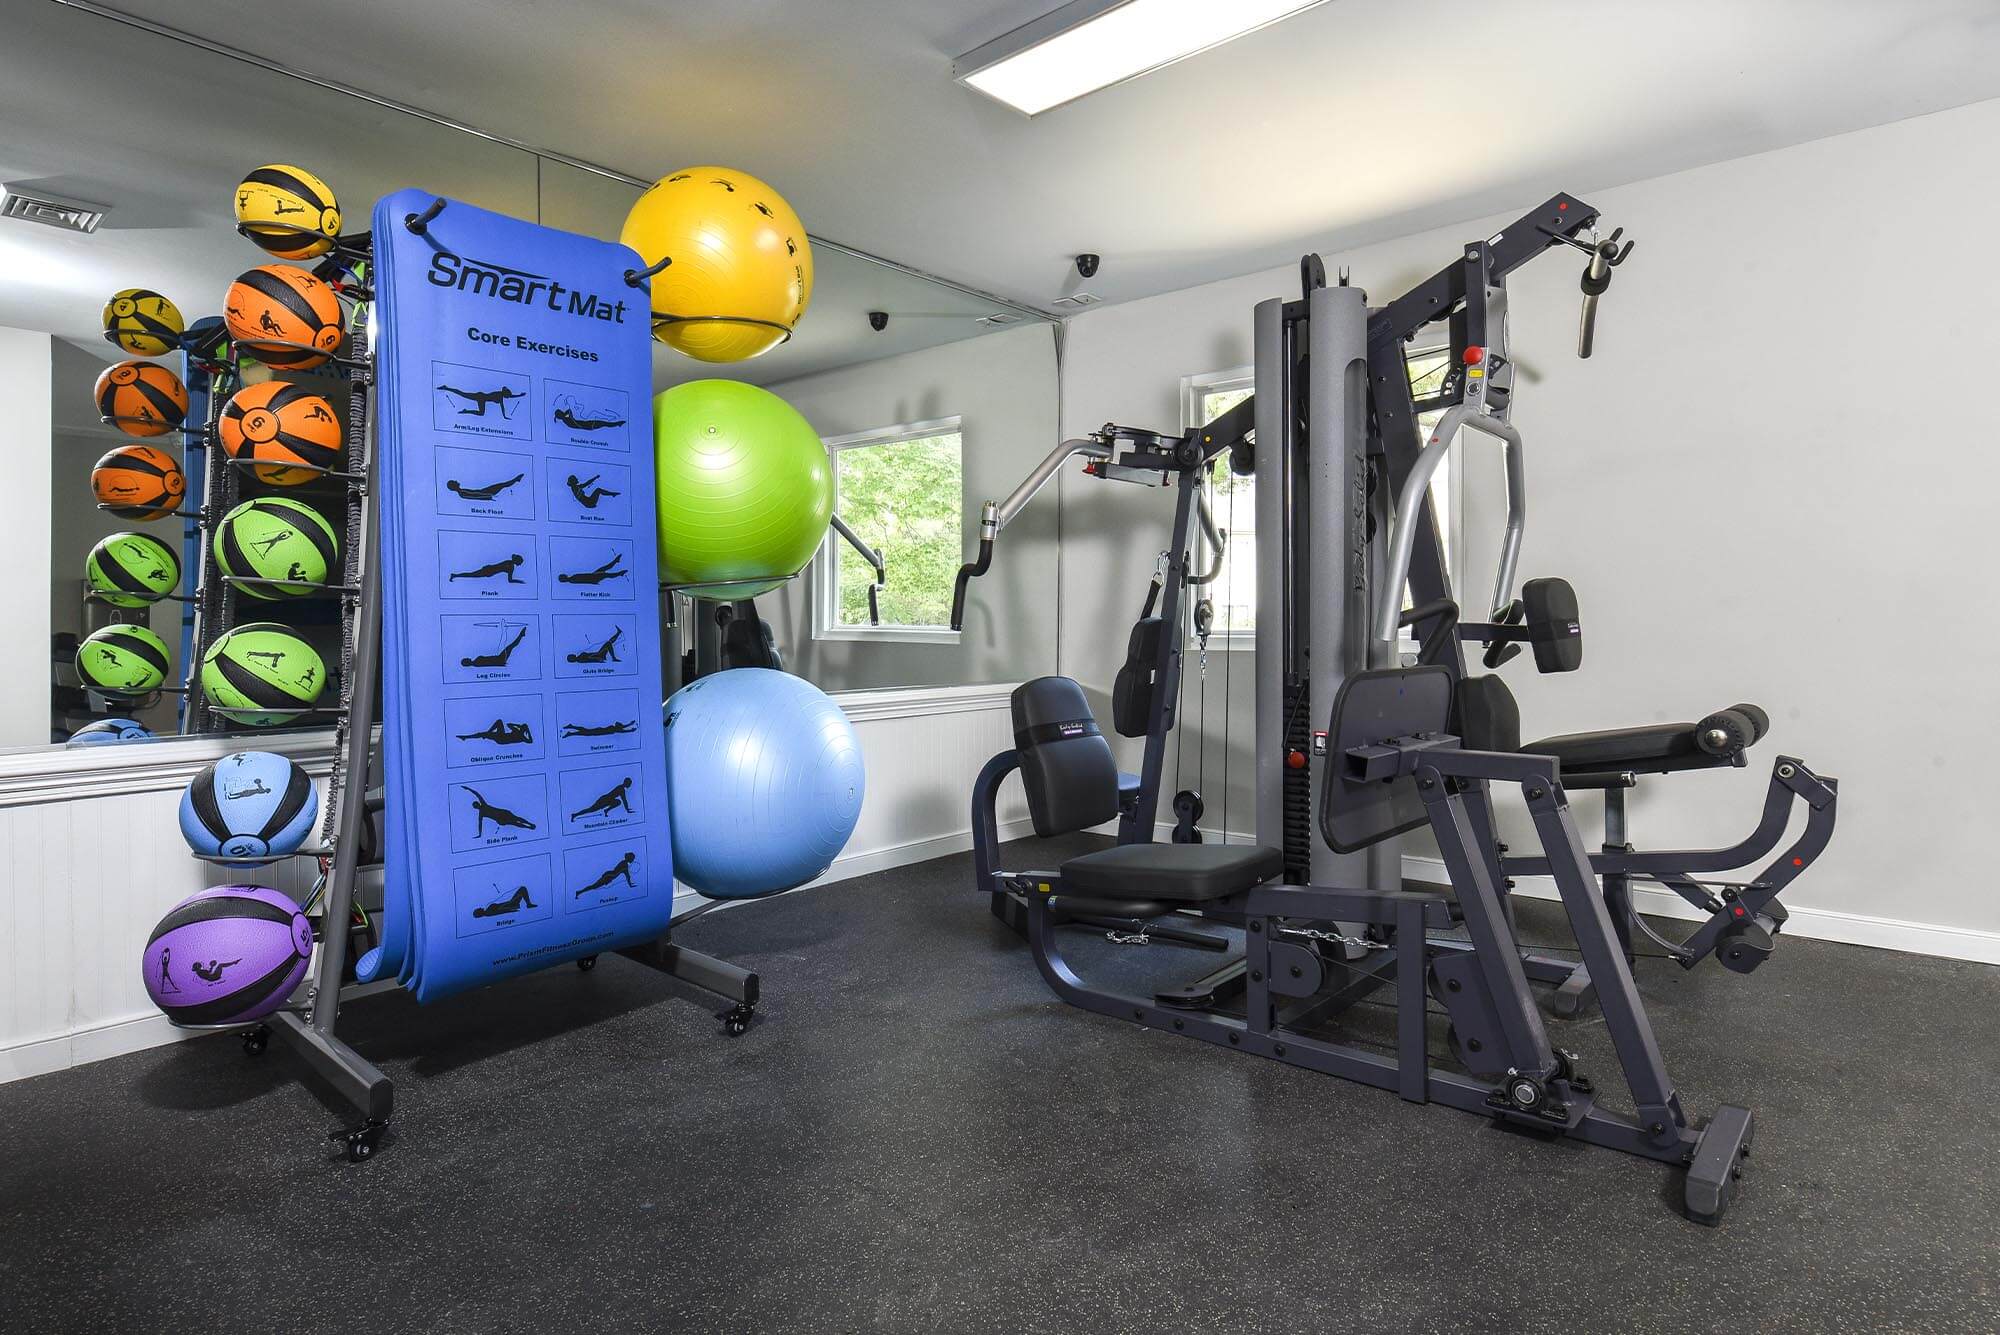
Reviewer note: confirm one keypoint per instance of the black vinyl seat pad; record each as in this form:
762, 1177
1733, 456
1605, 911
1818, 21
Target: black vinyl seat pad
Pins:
1171, 873
1647, 747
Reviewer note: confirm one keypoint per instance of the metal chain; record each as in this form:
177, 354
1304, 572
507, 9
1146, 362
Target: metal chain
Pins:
1333, 938
1138, 938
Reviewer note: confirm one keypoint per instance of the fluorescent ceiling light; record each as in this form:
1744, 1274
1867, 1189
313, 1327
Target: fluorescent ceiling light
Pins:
1091, 44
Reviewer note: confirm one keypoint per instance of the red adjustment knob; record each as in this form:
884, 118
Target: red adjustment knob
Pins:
1474, 356
1295, 760
1739, 912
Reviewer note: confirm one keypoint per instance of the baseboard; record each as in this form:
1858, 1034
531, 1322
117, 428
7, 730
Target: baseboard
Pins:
1853, 929
111, 1038
849, 865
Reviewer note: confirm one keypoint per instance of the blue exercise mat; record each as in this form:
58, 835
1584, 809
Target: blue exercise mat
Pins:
523, 753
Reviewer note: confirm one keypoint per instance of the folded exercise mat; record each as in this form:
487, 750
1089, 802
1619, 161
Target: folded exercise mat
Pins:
524, 758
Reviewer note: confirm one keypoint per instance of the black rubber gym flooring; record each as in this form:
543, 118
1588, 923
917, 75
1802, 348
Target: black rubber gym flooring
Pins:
917, 1136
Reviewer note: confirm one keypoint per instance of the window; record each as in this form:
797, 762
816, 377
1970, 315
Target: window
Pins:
902, 490
1427, 368
1233, 499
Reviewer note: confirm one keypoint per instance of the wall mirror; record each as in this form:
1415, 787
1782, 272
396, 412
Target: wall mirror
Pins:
931, 398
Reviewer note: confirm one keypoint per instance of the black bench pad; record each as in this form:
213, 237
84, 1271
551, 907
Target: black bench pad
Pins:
1171, 873
1624, 748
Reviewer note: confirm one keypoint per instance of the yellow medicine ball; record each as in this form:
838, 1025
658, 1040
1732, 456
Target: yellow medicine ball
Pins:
275, 201
741, 270
142, 322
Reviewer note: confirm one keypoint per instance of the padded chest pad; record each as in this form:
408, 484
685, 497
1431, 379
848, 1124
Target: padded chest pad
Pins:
1067, 767
1553, 628
1132, 688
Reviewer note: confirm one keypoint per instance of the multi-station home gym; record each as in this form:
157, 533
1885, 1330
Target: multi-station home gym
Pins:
673, 655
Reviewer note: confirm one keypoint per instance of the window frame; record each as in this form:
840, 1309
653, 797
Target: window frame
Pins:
1194, 388
826, 561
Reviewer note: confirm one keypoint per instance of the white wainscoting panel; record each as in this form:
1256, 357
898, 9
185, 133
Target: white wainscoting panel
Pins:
91, 856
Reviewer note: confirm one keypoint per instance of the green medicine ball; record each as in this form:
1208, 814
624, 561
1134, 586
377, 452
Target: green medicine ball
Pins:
276, 538
745, 489
122, 660
132, 570
262, 674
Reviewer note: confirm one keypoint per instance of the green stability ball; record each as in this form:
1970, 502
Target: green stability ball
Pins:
745, 489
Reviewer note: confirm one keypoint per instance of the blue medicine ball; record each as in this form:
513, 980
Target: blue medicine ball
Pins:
109, 732
247, 806
764, 782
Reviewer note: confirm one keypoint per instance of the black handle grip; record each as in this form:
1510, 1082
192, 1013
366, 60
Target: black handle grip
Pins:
969, 571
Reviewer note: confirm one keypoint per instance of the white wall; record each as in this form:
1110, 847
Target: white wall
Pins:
1003, 387
1769, 484
26, 399
91, 857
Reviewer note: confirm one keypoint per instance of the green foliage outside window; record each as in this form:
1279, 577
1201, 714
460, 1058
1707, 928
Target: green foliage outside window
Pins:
906, 500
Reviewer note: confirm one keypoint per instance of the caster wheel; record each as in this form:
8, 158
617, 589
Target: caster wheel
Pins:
736, 1021
361, 1141
255, 1041
586, 964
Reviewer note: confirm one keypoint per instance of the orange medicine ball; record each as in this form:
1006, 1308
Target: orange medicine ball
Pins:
138, 482
285, 423
141, 398
279, 314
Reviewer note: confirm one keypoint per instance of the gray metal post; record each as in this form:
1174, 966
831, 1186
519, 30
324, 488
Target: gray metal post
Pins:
1273, 464
1339, 560
359, 728
354, 1077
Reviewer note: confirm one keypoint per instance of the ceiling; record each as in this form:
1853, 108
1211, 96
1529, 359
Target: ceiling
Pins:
1349, 123
1357, 120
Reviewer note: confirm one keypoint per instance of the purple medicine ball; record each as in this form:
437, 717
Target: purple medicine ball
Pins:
227, 956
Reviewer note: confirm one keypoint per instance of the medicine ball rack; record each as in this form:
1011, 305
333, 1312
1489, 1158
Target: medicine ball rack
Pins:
308, 1027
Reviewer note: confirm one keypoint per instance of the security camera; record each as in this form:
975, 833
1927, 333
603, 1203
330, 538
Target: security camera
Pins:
878, 320
1086, 265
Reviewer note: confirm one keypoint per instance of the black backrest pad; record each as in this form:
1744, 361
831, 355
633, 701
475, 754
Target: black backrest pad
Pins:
1132, 688
1485, 716
1553, 628
1066, 765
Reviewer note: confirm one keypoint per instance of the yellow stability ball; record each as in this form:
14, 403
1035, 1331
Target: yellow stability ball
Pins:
740, 271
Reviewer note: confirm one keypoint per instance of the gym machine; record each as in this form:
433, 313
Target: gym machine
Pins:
1145, 694
1389, 573
1346, 529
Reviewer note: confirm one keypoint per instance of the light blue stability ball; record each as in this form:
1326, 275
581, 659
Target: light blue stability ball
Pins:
764, 782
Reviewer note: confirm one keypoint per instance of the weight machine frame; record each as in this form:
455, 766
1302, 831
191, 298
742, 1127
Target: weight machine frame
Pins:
1125, 454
